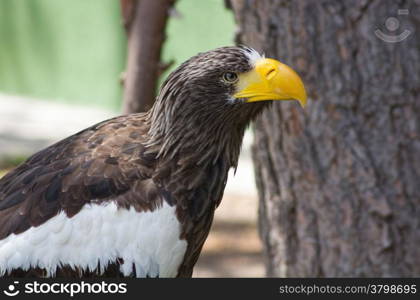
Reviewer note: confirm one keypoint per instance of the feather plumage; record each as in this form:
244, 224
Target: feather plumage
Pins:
177, 155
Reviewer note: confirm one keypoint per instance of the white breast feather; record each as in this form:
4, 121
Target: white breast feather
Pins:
100, 234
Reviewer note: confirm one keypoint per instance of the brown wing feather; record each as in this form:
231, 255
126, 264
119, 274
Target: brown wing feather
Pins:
103, 162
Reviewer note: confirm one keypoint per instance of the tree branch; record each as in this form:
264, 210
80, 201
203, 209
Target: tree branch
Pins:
145, 22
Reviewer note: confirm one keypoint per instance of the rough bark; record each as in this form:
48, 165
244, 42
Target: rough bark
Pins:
339, 182
145, 22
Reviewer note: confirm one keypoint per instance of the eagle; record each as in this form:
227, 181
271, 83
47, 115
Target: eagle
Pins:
135, 195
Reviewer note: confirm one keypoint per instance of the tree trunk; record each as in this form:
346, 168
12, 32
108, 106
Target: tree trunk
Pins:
145, 22
339, 182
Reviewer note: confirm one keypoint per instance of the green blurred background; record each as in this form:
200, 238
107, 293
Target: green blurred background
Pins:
74, 51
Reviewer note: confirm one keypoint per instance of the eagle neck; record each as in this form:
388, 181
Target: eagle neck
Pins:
197, 140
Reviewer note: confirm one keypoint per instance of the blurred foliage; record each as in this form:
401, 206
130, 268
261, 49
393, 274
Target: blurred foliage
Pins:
62, 50
76, 50
9, 162
201, 26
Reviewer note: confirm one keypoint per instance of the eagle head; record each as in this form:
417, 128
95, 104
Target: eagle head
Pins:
212, 97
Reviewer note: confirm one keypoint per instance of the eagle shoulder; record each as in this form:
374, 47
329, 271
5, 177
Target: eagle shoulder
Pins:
102, 174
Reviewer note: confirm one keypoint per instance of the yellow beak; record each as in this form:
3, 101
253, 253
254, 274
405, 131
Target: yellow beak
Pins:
271, 80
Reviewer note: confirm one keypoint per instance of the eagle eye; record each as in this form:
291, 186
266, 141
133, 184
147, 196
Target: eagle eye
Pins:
230, 77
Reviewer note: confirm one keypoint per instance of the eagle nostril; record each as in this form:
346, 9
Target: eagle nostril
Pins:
270, 74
